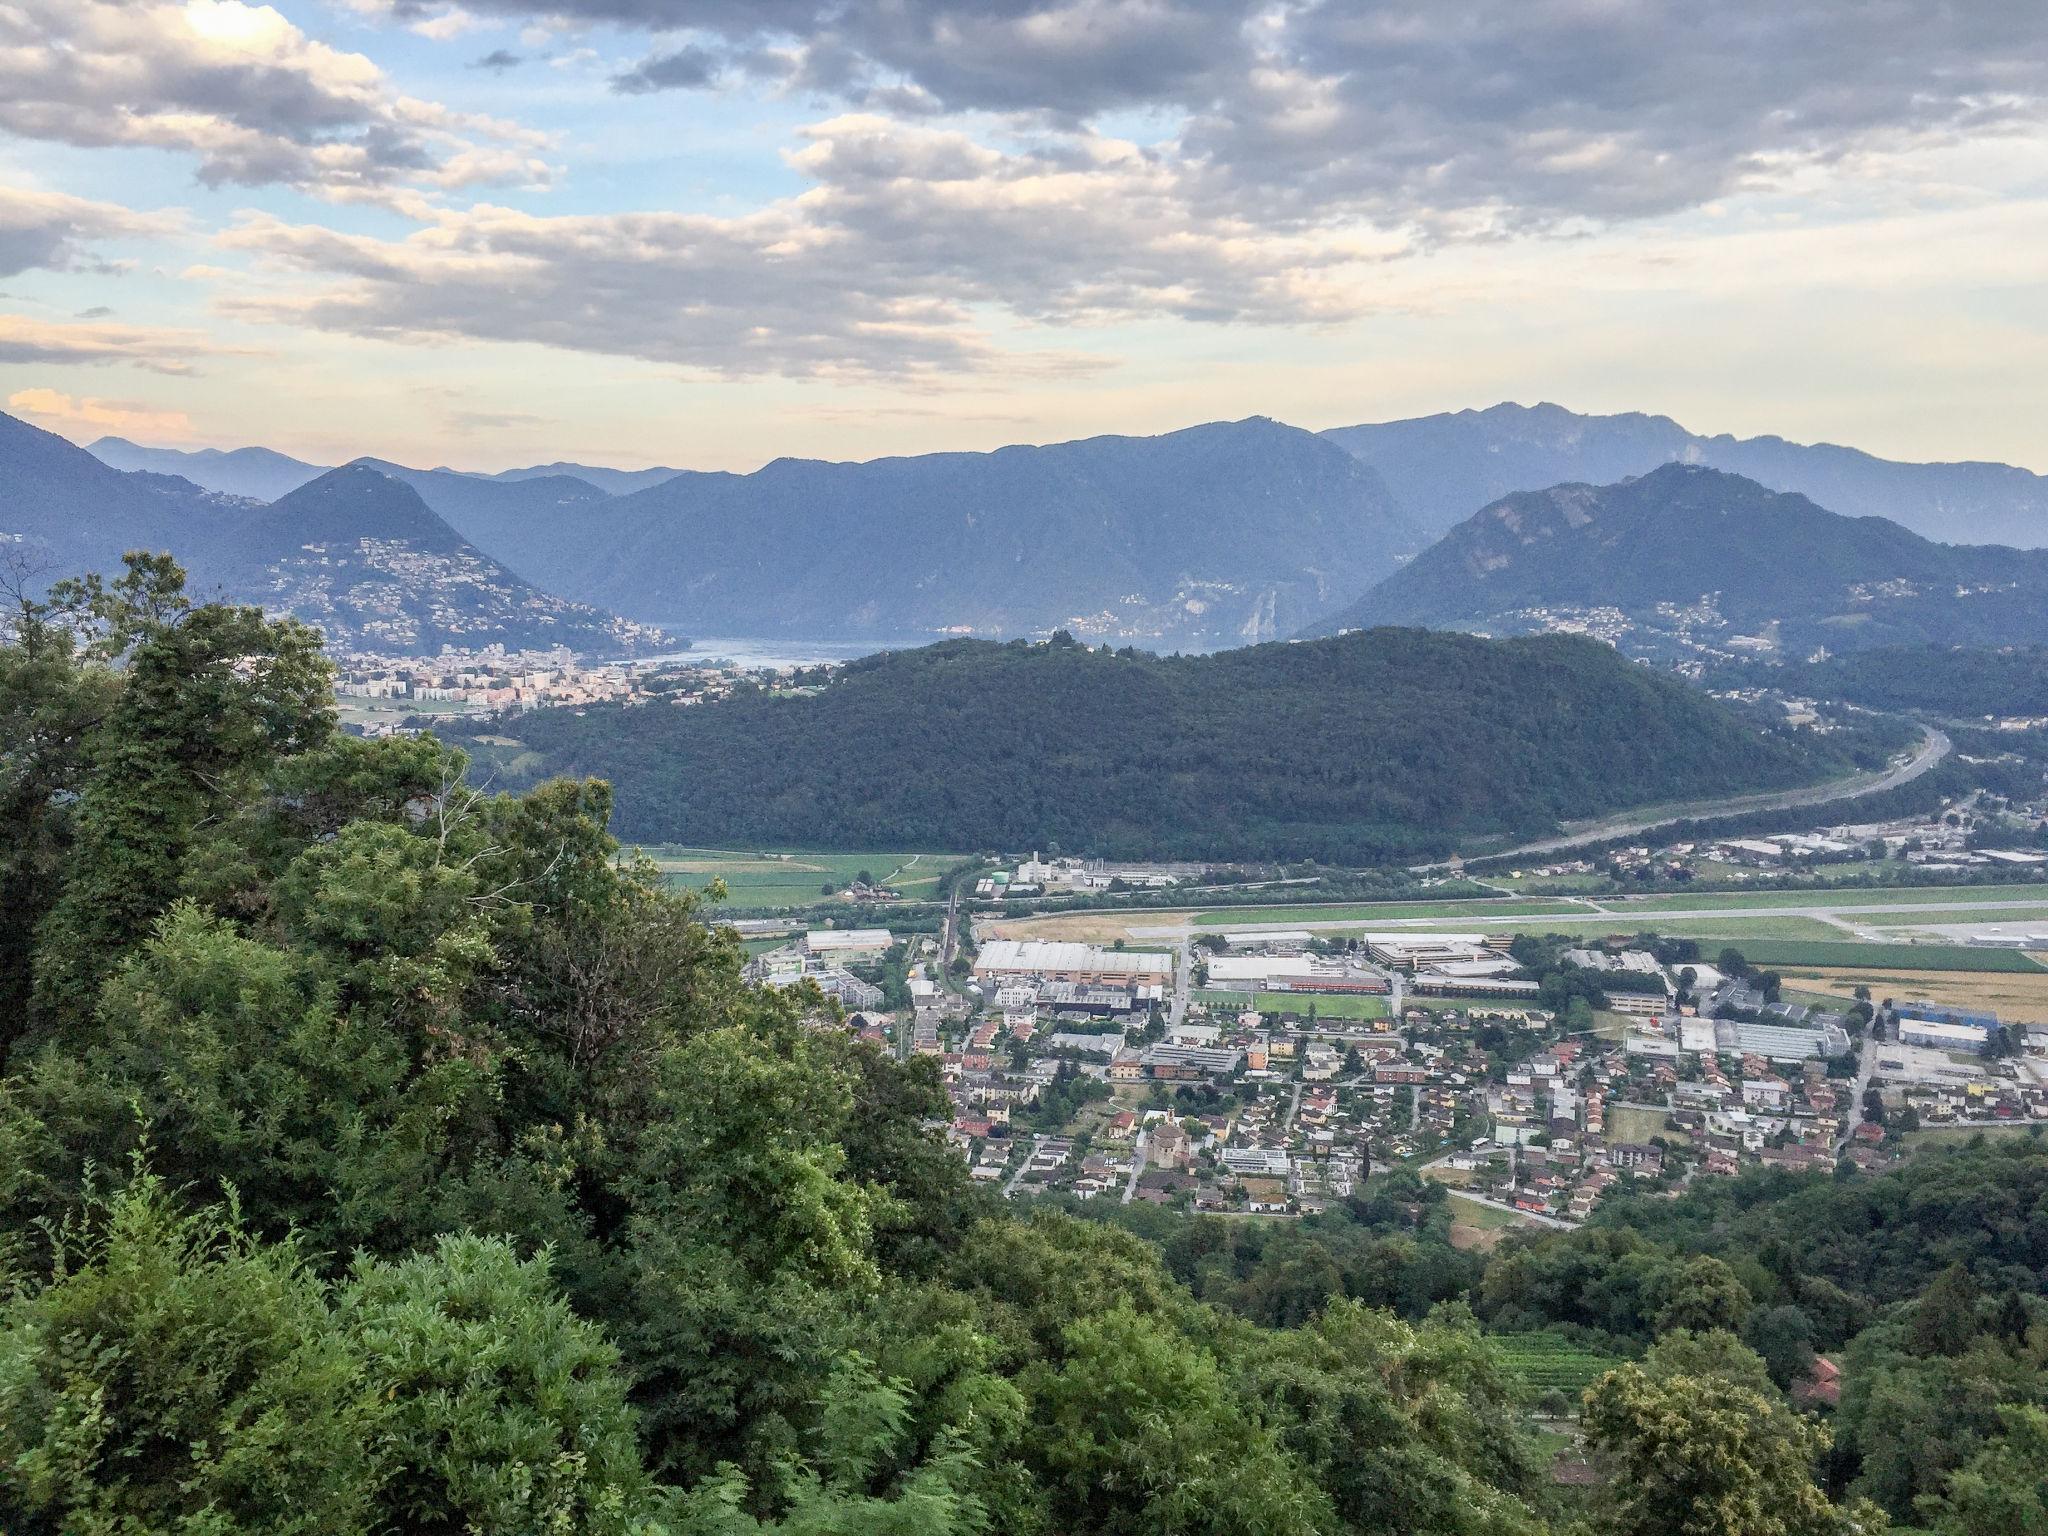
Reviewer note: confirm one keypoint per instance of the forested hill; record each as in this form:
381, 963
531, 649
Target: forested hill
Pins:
1690, 548
1368, 746
1954, 682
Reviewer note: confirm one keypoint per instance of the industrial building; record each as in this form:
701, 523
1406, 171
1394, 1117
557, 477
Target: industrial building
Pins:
1004, 960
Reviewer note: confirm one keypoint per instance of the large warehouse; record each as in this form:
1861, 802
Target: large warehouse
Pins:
1037, 960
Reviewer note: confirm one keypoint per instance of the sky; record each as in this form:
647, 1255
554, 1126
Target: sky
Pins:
709, 233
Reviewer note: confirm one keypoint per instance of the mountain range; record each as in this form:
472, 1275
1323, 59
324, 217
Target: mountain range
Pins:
1217, 535
355, 551
1444, 468
264, 474
1213, 536
1690, 559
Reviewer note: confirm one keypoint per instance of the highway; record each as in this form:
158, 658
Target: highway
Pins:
1934, 746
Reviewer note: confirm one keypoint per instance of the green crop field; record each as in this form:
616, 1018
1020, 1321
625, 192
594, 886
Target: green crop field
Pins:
1905, 957
797, 879
1546, 1361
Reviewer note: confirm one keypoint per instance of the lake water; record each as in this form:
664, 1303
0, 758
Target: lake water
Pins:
742, 651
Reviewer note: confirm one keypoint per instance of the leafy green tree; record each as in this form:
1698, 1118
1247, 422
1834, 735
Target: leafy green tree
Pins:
2003, 1490
864, 1425
208, 697
1137, 1432
1704, 1296
179, 1376
1945, 1318
505, 1411
1705, 1456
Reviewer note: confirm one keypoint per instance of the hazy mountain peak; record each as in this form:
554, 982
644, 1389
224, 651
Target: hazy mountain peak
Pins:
1445, 467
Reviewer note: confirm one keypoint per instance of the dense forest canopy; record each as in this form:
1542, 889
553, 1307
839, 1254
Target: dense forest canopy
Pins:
1373, 746
379, 1155
1953, 682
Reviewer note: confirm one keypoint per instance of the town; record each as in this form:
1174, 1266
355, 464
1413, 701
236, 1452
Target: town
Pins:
1270, 1072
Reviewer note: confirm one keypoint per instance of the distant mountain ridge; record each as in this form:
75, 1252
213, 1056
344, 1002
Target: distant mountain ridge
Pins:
613, 482
265, 474
1212, 536
356, 551
261, 474
1692, 558
1444, 468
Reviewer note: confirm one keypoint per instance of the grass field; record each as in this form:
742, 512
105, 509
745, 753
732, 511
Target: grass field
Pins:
1635, 1125
1294, 1002
1469, 1004
1475, 1227
1325, 1007
2019, 999
1842, 900
1506, 907
1904, 957
1952, 916
1546, 1361
792, 879
1961, 1135
1737, 929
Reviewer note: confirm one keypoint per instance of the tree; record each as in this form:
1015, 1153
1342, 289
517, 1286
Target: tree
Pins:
208, 698
1703, 1297
1705, 1456
2003, 1490
1783, 1336
1138, 1432
180, 1375
1945, 1318
505, 1412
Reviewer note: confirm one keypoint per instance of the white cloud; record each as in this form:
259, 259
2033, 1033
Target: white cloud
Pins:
240, 88
52, 230
889, 266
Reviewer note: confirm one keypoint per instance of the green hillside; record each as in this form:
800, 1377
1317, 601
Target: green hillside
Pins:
1364, 747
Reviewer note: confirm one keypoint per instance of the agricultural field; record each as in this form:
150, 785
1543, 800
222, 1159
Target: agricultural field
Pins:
787, 879
2016, 998
1547, 1361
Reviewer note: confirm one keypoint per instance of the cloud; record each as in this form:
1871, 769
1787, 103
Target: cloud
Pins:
1463, 116
240, 88
65, 413
157, 349
498, 60
51, 230
911, 245
686, 69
